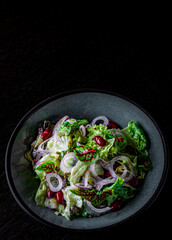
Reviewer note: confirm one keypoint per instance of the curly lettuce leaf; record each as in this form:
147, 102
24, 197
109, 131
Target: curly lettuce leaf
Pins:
119, 191
100, 130
135, 135
77, 137
106, 152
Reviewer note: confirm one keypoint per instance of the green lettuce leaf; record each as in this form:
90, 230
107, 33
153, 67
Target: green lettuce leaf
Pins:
70, 127
135, 135
47, 167
106, 152
77, 172
85, 154
77, 137
47, 158
41, 193
61, 146
71, 200
119, 191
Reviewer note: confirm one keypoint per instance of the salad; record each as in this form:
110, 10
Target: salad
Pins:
88, 169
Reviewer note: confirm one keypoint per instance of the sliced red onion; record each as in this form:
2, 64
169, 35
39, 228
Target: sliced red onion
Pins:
51, 203
88, 125
124, 174
78, 143
130, 175
83, 130
104, 164
101, 118
71, 120
38, 162
93, 172
39, 149
56, 139
131, 171
104, 182
95, 211
110, 168
68, 162
55, 185
59, 123
38, 156
86, 177
34, 153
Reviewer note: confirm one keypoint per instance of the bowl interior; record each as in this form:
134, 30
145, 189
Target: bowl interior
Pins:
82, 105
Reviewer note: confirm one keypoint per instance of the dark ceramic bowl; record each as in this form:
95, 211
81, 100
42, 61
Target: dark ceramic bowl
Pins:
83, 104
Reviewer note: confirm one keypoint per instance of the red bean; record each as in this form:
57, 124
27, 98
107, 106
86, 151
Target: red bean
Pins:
134, 182
46, 134
50, 193
116, 205
59, 197
108, 174
100, 141
112, 125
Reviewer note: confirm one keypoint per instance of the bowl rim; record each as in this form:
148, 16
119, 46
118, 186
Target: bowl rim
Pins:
22, 204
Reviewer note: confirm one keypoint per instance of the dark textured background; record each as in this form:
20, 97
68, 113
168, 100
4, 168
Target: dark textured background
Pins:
44, 51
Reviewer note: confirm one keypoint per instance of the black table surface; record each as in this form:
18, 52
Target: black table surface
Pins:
41, 56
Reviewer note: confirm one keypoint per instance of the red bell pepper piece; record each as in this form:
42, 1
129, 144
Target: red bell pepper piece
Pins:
46, 134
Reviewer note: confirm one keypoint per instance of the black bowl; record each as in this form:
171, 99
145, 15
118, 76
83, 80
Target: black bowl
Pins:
83, 104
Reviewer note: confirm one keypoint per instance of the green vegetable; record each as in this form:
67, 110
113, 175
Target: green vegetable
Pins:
86, 155
72, 126
78, 171
28, 155
93, 196
39, 141
136, 135
128, 145
119, 191
144, 163
50, 158
60, 146
40, 174
116, 190
71, 200
41, 193
47, 167
78, 137
106, 152
97, 130
85, 213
